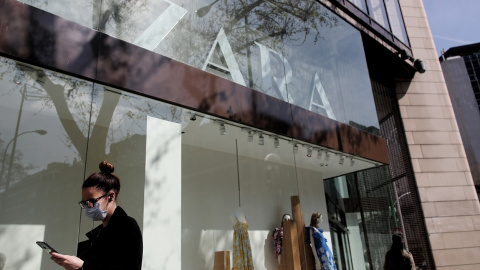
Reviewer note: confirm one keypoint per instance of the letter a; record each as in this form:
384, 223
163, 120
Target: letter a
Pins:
267, 73
317, 84
159, 29
232, 66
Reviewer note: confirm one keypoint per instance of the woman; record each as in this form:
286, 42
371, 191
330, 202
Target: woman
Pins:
117, 242
397, 257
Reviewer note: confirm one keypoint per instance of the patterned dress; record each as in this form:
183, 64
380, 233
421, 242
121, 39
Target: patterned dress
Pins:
324, 253
242, 252
277, 241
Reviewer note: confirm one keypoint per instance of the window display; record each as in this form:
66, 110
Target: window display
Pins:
185, 173
277, 236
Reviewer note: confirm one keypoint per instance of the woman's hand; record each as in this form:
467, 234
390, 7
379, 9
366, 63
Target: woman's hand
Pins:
66, 261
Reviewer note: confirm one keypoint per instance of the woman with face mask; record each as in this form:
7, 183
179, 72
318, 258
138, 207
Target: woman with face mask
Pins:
117, 242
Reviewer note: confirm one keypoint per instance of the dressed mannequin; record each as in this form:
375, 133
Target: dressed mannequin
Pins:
242, 252
277, 236
323, 255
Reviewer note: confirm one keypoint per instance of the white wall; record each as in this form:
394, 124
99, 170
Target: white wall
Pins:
210, 193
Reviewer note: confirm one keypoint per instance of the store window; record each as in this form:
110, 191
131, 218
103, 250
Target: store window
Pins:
299, 52
43, 140
187, 178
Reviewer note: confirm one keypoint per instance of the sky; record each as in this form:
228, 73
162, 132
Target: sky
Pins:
453, 22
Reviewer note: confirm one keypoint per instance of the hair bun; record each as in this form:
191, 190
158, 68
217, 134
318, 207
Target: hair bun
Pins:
106, 167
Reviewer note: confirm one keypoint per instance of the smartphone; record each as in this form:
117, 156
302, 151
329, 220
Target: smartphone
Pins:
46, 247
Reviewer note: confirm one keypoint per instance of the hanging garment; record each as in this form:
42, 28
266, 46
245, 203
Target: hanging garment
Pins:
324, 253
277, 241
242, 252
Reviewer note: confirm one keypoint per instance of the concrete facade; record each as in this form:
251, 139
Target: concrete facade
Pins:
446, 188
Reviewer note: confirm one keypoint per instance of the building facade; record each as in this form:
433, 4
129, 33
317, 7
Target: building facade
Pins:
211, 108
461, 69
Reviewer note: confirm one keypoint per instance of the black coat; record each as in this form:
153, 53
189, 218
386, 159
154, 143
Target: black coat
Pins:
118, 246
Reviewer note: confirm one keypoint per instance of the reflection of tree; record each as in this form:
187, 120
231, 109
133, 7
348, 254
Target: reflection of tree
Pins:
107, 118
118, 13
284, 21
71, 99
272, 23
19, 169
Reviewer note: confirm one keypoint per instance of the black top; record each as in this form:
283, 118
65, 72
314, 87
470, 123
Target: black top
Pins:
117, 246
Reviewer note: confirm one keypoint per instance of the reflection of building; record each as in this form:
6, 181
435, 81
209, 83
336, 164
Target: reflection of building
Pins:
334, 90
461, 69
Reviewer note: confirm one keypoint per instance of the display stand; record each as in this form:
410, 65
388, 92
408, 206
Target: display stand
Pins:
307, 260
221, 260
290, 259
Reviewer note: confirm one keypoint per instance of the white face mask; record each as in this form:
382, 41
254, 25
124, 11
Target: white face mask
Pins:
96, 213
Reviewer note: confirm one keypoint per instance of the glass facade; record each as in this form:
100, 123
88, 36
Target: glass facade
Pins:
185, 173
387, 13
472, 63
296, 51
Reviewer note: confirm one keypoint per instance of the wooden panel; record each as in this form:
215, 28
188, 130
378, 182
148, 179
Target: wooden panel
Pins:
290, 258
306, 256
221, 260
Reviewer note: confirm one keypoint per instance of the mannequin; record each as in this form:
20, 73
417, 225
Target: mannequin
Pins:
242, 252
238, 216
323, 255
278, 237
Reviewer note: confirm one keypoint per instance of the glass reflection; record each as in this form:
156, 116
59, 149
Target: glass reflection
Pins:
361, 4
377, 11
69, 9
396, 20
296, 51
43, 138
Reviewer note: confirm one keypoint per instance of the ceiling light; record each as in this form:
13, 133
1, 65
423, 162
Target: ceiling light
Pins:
342, 159
19, 76
319, 154
193, 117
261, 140
295, 148
276, 143
309, 152
352, 161
223, 130
327, 156
250, 136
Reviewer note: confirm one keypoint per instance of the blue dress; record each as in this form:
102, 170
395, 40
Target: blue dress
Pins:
324, 253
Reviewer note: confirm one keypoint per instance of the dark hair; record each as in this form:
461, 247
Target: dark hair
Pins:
396, 251
104, 180
315, 217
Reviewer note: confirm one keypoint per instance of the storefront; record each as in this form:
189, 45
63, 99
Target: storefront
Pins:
205, 109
